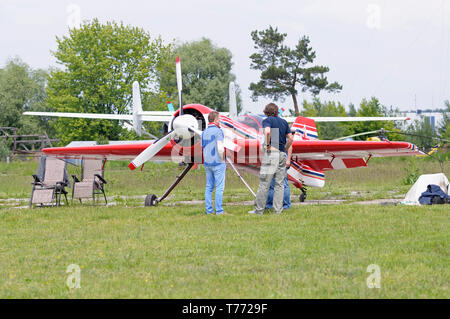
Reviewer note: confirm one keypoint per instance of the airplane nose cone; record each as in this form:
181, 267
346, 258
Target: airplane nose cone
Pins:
182, 124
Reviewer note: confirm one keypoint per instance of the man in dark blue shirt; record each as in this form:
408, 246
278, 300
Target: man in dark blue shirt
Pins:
278, 133
277, 138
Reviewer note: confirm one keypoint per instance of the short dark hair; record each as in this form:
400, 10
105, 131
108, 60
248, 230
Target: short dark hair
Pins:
212, 116
271, 109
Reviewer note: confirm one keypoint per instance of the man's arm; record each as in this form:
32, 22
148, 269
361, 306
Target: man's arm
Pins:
221, 149
289, 155
289, 138
267, 136
289, 145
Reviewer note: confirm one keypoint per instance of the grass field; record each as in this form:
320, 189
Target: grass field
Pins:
314, 251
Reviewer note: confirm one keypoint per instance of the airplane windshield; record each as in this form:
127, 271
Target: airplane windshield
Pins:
254, 121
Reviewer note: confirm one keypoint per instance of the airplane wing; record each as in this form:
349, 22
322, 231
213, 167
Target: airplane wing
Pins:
146, 116
327, 155
291, 119
149, 116
126, 150
320, 155
329, 148
83, 115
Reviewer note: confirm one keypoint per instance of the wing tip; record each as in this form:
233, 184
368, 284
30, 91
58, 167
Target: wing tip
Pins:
132, 166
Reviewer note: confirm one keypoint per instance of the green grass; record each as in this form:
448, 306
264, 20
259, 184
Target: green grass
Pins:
308, 252
383, 178
316, 251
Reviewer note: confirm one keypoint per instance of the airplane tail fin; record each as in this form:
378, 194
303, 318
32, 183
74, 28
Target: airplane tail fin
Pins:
305, 129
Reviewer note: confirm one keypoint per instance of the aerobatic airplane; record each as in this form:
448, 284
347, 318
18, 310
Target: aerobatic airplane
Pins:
310, 159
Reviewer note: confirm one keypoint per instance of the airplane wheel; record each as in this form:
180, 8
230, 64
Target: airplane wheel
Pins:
151, 200
302, 197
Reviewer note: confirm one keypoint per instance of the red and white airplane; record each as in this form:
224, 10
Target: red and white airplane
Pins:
310, 159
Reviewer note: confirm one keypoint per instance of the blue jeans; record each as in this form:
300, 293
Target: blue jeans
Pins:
286, 197
215, 175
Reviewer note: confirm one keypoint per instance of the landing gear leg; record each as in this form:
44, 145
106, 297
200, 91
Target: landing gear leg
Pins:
153, 200
302, 195
240, 176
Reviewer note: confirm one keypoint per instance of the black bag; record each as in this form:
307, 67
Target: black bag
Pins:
437, 200
434, 195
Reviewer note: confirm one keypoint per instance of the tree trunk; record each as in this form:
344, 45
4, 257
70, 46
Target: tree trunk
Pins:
294, 98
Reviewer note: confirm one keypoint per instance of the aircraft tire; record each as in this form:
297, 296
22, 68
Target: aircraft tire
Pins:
151, 200
302, 197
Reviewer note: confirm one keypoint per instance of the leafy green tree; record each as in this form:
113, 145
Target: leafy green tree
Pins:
327, 131
100, 63
206, 73
5, 150
372, 108
351, 110
23, 89
421, 133
284, 69
444, 126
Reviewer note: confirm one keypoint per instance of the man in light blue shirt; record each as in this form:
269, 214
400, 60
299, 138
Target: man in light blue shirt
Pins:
214, 162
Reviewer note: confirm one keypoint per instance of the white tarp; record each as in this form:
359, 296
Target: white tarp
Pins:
420, 186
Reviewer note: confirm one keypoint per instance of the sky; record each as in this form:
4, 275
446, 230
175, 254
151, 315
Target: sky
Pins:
397, 51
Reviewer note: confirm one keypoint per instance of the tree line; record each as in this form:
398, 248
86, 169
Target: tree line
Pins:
97, 64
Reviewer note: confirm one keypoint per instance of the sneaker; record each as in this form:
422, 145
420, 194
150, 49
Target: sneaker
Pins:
255, 212
222, 213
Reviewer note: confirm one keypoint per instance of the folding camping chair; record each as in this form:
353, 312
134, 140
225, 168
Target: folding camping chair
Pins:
49, 185
92, 181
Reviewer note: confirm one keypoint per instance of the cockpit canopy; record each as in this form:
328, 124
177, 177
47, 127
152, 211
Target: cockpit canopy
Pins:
254, 121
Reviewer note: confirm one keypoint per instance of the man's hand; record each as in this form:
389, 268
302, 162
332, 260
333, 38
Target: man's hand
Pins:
221, 150
267, 138
288, 163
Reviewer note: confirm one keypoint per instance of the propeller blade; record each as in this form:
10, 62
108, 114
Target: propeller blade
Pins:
232, 101
151, 151
179, 83
195, 131
137, 109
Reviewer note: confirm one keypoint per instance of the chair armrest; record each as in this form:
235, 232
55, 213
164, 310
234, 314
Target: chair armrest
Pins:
101, 178
75, 179
37, 180
62, 184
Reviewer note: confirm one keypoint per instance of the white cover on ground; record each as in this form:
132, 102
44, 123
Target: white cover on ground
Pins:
420, 186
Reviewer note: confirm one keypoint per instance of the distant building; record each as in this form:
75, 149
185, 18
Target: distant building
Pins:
435, 117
